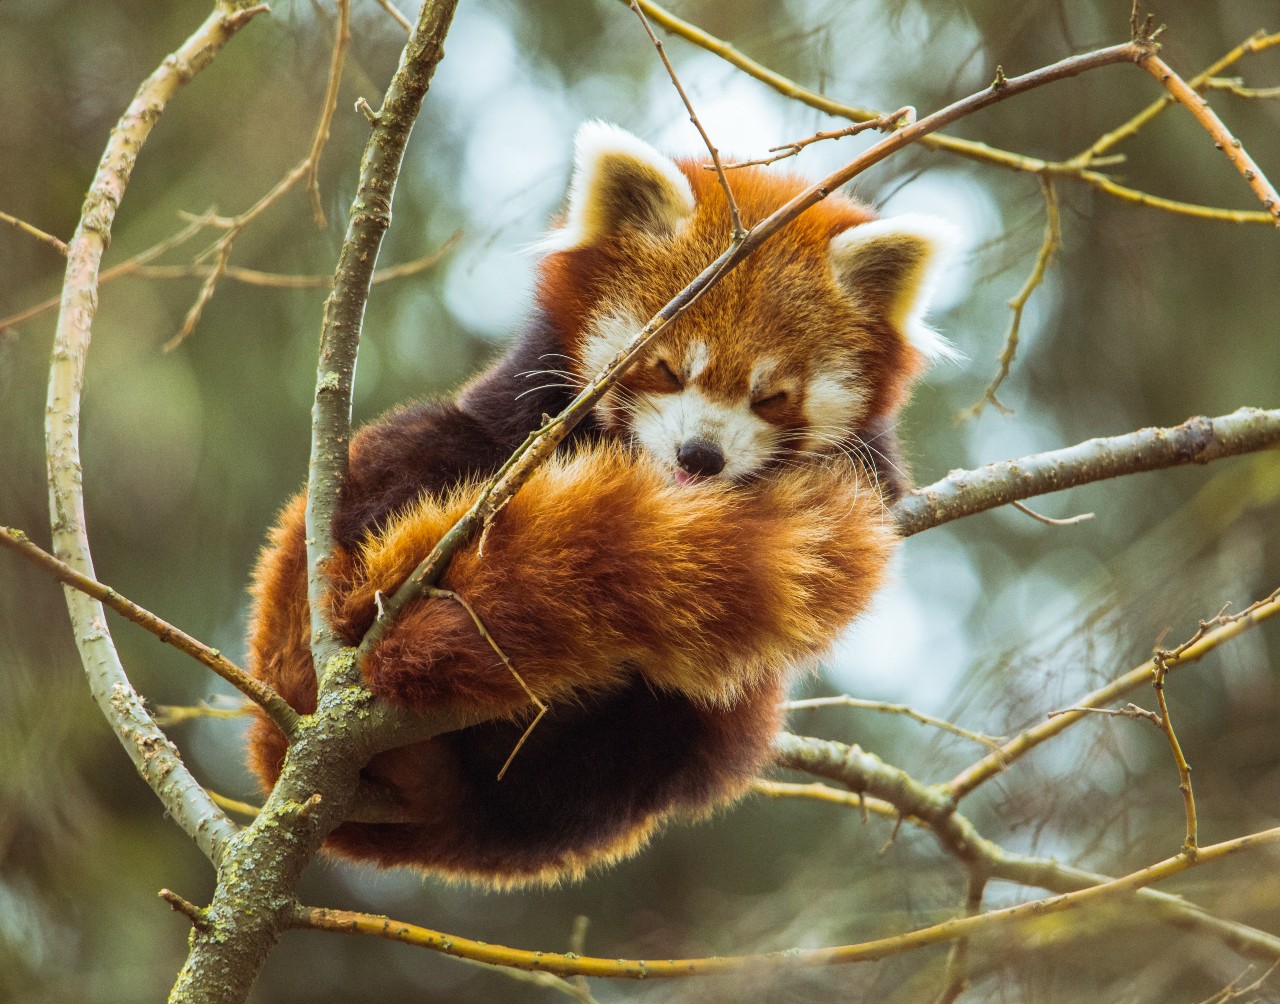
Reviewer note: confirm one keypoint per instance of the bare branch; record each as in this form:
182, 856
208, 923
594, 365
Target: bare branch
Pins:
1235, 85
885, 123
35, 232
342, 36
735, 217
1048, 248
845, 701
1204, 641
152, 753
399, 18
1196, 441
344, 309
1073, 168
1083, 517
993, 922
272, 703
1258, 42
1222, 138
895, 795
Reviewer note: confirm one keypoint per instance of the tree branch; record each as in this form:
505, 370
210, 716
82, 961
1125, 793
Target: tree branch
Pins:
155, 757
344, 309
1203, 643
257, 691
254, 898
1196, 441
992, 922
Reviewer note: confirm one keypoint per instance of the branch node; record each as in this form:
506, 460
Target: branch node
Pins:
193, 913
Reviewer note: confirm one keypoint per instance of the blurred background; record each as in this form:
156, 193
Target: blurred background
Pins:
1145, 318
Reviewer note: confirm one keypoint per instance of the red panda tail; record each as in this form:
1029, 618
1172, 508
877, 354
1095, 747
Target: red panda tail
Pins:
602, 567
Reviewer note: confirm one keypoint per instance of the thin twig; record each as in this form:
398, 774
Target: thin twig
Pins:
885, 123
449, 594
1234, 990
277, 280
1205, 641
1130, 710
220, 250
235, 805
342, 36
1083, 517
272, 703
58, 245
1048, 248
1222, 138
176, 714
825, 793
735, 218
957, 970
1235, 85
845, 701
1190, 840
399, 18
194, 225
188, 909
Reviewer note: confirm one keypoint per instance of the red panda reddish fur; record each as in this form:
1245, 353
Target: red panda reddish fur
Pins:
658, 620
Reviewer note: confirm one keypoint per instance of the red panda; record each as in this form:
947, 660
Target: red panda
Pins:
701, 534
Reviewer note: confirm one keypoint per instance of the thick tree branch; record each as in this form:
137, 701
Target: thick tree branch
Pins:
254, 900
1196, 441
152, 753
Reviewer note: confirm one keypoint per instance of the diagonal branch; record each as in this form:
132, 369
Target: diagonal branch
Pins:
1203, 642
1214, 126
267, 699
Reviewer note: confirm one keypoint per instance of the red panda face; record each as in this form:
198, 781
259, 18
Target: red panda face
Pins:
818, 334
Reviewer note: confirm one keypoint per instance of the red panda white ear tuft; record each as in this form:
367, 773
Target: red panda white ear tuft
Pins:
891, 266
620, 183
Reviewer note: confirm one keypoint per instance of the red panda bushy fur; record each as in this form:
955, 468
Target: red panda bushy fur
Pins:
659, 621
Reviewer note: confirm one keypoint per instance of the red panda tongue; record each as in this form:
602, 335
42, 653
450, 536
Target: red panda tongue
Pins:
683, 477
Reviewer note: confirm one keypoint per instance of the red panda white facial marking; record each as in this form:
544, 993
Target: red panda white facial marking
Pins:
814, 338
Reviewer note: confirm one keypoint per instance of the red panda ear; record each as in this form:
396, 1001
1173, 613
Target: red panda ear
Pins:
620, 183
891, 266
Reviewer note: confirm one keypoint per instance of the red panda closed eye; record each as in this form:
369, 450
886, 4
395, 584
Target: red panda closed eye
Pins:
705, 531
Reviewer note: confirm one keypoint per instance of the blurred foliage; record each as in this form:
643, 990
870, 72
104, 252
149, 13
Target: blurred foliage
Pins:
1146, 318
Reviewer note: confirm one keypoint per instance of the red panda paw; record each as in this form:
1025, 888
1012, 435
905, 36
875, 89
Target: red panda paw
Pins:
434, 658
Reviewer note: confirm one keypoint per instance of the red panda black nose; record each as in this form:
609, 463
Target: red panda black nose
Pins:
700, 457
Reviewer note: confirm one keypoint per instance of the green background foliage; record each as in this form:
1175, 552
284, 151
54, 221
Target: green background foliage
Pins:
1145, 319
